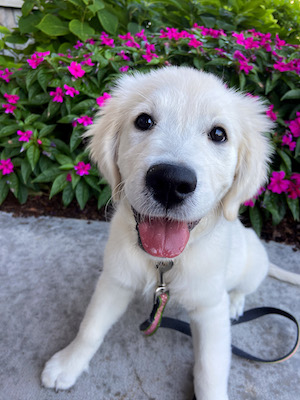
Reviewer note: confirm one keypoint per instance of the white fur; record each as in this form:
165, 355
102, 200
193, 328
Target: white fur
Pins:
222, 261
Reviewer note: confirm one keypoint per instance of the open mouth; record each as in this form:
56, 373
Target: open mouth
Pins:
163, 237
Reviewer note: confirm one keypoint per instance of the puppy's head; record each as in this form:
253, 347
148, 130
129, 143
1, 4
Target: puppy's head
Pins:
177, 145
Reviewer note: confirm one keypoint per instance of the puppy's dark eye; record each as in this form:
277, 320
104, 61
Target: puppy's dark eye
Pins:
218, 134
144, 122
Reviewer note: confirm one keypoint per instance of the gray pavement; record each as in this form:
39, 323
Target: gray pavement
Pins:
48, 269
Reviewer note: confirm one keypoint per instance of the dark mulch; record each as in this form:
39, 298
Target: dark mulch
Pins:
286, 232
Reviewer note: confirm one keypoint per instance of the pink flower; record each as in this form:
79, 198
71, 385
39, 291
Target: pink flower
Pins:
88, 62
102, 99
9, 109
277, 182
76, 70
149, 55
141, 35
125, 68
11, 98
240, 56
24, 136
82, 169
6, 166
58, 95
271, 114
106, 41
239, 38
78, 45
249, 203
70, 91
39, 142
294, 126
244, 66
69, 177
85, 120
5, 74
279, 42
35, 61
287, 140
195, 43
123, 55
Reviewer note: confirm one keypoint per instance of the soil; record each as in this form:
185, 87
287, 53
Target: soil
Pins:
286, 232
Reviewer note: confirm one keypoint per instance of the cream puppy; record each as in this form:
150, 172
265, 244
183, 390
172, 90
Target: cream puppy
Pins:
181, 152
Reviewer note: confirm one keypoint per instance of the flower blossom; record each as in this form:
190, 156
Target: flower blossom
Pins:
5, 74
215, 33
106, 41
294, 186
277, 182
271, 114
287, 140
195, 43
11, 98
9, 108
243, 62
123, 55
173, 33
76, 70
70, 91
149, 55
141, 35
102, 99
34, 61
279, 42
24, 136
78, 45
87, 61
125, 68
58, 95
294, 126
82, 169
85, 120
6, 166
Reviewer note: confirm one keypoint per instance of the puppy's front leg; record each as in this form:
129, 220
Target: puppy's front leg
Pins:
108, 303
212, 346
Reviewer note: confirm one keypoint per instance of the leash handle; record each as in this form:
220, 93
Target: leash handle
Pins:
249, 315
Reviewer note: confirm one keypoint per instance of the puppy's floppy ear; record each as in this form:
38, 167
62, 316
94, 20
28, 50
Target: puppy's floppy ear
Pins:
253, 155
103, 144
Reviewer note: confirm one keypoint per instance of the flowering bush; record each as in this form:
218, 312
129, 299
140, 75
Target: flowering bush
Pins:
48, 102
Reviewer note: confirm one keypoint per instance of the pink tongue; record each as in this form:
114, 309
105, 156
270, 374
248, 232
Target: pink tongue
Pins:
163, 238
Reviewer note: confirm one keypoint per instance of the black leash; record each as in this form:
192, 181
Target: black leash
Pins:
254, 313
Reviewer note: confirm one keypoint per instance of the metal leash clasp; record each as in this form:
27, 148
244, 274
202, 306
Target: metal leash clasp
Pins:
161, 297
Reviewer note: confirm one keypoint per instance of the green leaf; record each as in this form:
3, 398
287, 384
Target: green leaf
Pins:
8, 130
291, 94
27, 6
31, 118
63, 159
22, 194
4, 189
48, 175
82, 193
81, 29
53, 26
60, 182
75, 179
286, 159
68, 195
13, 183
75, 140
25, 170
108, 20
67, 119
33, 155
256, 219
43, 78
104, 197
294, 207
31, 76
93, 182
84, 106
96, 6
46, 130
4, 30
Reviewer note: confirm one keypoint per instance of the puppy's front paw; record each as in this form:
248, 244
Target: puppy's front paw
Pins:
62, 370
237, 303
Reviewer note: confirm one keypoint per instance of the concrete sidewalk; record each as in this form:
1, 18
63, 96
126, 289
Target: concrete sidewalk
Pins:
48, 269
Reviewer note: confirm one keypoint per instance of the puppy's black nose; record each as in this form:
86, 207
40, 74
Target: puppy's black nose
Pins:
170, 184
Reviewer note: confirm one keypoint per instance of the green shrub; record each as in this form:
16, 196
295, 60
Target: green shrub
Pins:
46, 104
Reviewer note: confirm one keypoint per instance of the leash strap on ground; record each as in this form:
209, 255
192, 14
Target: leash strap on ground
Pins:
249, 315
